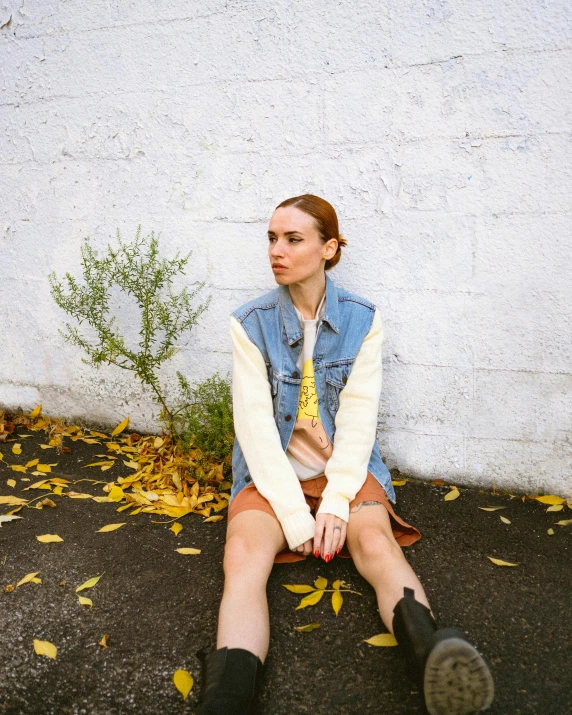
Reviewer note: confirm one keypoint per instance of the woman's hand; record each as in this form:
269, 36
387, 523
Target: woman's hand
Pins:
329, 536
305, 548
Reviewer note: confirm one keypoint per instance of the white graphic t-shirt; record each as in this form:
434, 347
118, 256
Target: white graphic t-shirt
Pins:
309, 448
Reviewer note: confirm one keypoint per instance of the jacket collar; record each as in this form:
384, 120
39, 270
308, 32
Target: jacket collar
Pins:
291, 322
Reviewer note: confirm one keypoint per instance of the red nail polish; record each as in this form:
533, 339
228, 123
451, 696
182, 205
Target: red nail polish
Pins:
317, 553
338, 549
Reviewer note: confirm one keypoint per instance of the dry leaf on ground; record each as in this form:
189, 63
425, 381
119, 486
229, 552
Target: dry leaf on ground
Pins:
9, 518
491, 508
500, 562
90, 583
188, 550
453, 494
45, 648
505, 520
27, 578
84, 601
49, 538
299, 587
308, 628
177, 528
110, 527
382, 639
183, 681
550, 499
310, 600
120, 427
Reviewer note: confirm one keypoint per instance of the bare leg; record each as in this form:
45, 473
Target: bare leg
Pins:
253, 539
379, 559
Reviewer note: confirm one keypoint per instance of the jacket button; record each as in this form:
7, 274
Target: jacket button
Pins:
288, 418
295, 374
247, 478
344, 379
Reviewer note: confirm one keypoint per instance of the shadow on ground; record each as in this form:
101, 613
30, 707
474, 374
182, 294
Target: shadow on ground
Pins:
158, 607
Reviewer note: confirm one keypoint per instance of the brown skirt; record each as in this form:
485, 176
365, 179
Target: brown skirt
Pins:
250, 498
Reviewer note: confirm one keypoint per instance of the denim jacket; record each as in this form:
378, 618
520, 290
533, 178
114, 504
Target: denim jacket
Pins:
273, 326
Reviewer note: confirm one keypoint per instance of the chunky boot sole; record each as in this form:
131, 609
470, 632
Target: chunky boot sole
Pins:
456, 680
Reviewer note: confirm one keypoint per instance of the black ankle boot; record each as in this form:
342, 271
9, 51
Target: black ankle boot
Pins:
454, 677
229, 681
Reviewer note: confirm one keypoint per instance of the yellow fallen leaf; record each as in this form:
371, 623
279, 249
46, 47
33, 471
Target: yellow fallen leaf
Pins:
214, 518
17, 448
120, 427
102, 500
131, 465
47, 446
399, 482
90, 583
158, 442
36, 485
123, 507
48, 502
45, 648
382, 639
500, 562
453, 494
32, 463
35, 580
550, 499
188, 550
505, 520
307, 629
183, 681
12, 501
36, 411
99, 464
177, 528
27, 578
556, 507
18, 468
337, 600
103, 641
78, 495
110, 527
321, 582
84, 601
299, 588
116, 494
564, 522
550, 532
49, 538
11, 482
310, 600
59, 480
491, 508
97, 434
44, 468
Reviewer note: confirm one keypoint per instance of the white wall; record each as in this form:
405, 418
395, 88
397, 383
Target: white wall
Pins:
440, 131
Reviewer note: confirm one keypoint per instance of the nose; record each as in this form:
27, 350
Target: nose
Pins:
276, 249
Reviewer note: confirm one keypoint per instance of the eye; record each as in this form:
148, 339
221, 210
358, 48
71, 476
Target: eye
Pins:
271, 238
295, 240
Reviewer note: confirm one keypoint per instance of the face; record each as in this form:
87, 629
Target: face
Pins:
297, 253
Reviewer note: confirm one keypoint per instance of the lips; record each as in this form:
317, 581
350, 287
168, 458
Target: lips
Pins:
278, 267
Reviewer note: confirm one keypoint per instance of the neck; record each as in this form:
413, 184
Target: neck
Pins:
306, 295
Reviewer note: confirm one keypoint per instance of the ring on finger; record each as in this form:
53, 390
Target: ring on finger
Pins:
337, 527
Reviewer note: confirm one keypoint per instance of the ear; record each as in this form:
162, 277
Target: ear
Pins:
330, 248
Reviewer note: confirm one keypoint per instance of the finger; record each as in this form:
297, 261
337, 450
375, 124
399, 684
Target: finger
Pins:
318, 532
328, 535
308, 547
341, 535
336, 535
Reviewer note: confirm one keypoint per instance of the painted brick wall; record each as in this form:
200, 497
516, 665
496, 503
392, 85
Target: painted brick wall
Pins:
440, 131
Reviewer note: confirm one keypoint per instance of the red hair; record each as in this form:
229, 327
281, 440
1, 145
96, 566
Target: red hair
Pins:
325, 218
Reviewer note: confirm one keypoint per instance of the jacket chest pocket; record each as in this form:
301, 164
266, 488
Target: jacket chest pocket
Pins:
336, 379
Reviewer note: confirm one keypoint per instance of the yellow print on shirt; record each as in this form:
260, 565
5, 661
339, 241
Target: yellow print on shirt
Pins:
308, 402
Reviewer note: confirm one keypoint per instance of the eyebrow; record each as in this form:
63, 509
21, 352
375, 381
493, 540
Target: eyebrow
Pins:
286, 233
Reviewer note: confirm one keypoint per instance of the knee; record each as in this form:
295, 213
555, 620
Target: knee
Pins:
244, 558
373, 543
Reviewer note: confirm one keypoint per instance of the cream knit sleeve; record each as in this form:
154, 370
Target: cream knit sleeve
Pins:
258, 436
356, 426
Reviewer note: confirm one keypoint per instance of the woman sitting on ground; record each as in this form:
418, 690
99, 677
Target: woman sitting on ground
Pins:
308, 476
